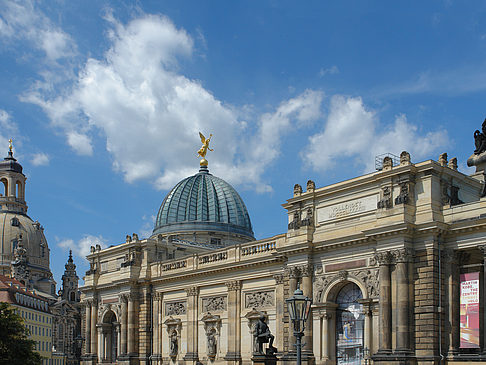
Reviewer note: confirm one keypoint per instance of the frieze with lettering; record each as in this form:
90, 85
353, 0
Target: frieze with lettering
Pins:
346, 209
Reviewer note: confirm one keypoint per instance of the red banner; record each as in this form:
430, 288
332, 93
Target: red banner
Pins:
469, 301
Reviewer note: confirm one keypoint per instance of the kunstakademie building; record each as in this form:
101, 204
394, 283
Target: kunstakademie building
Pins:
393, 260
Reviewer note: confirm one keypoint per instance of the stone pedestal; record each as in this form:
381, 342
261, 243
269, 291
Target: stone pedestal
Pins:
267, 359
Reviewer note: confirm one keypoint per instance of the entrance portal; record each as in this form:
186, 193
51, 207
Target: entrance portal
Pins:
349, 325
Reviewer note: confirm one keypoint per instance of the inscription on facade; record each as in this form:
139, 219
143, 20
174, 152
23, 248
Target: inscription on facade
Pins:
174, 265
260, 299
212, 304
346, 209
175, 308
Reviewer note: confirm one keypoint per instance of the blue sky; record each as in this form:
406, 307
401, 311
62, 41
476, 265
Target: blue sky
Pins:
104, 100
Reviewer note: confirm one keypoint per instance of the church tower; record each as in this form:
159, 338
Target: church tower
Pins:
12, 196
69, 291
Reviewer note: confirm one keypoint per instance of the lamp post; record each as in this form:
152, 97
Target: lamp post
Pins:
299, 308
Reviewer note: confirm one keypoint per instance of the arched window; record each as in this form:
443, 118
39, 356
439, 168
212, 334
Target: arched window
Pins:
73, 296
349, 325
5, 186
18, 190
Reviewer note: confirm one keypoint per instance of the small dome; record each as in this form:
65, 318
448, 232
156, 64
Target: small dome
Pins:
9, 163
203, 202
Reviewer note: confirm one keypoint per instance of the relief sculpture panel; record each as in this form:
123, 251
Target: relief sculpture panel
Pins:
175, 308
260, 299
212, 304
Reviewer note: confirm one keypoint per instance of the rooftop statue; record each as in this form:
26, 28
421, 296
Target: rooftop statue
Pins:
205, 145
480, 139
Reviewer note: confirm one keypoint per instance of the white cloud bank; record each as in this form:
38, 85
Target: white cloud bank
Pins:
81, 247
151, 114
353, 131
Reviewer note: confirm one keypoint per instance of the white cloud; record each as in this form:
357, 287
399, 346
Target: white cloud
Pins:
147, 226
82, 247
8, 129
353, 131
23, 20
150, 114
328, 71
80, 143
40, 159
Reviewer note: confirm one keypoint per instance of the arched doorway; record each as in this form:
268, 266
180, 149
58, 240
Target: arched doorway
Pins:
110, 337
349, 325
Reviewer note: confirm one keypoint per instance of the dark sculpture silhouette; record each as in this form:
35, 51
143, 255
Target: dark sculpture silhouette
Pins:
480, 139
262, 335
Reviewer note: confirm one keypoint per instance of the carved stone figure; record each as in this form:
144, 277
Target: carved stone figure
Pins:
385, 201
452, 163
174, 344
387, 163
443, 159
295, 224
480, 139
212, 345
403, 197
404, 158
262, 335
311, 186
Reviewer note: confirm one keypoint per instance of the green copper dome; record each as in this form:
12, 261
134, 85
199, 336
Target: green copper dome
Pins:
203, 202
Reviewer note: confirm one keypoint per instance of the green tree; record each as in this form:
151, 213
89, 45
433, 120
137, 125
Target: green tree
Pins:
15, 346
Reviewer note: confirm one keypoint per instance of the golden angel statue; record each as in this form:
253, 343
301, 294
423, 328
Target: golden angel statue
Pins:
205, 147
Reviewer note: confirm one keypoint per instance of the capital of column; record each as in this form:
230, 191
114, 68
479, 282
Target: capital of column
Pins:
157, 296
192, 291
279, 278
123, 298
462, 257
233, 285
384, 258
403, 255
293, 272
93, 302
306, 270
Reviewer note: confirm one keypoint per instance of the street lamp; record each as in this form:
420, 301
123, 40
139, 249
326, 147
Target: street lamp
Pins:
299, 308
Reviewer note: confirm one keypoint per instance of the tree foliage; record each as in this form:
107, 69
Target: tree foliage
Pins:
15, 346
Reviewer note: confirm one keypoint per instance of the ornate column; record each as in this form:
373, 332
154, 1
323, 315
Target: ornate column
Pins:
451, 275
156, 339
384, 260
234, 292
280, 310
368, 322
94, 319
328, 334
87, 335
402, 257
307, 271
132, 324
101, 342
192, 297
123, 298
